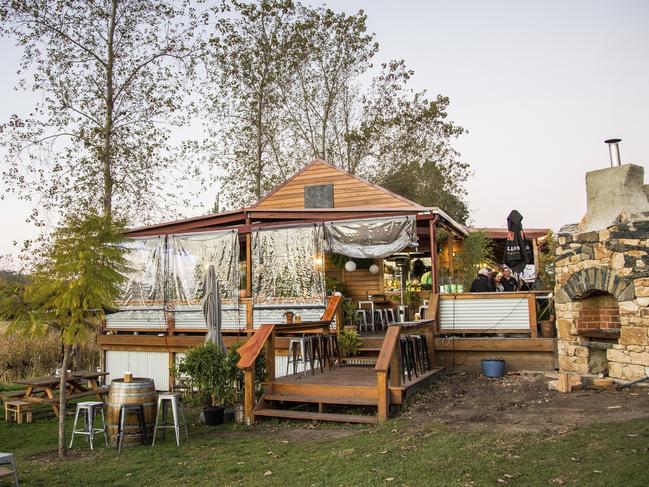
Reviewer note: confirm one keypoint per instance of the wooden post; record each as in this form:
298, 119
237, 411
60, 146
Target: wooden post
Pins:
384, 396
249, 395
249, 264
170, 321
172, 379
395, 367
339, 319
270, 357
102, 362
430, 344
535, 253
433, 254
449, 254
531, 303
249, 316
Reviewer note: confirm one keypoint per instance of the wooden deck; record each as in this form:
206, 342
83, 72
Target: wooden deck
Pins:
346, 386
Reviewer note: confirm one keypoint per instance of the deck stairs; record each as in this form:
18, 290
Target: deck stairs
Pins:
345, 395
293, 400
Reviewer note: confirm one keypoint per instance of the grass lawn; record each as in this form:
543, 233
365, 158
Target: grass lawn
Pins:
395, 453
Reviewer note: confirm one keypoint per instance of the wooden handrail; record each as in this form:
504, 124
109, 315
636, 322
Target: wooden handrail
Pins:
389, 360
390, 343
332, 306
249, 351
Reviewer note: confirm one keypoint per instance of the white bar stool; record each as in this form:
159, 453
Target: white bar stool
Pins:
89, 408
164, 400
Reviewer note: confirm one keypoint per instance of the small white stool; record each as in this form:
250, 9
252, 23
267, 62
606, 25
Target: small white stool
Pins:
89, 409
298, 351
8, 459
164, 400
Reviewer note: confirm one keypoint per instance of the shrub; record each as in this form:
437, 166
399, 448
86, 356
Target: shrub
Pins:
210, 372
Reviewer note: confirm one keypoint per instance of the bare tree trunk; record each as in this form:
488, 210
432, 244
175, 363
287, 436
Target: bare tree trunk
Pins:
108, 124
62, 400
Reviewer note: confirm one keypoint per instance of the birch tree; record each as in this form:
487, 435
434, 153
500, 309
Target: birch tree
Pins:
110, 77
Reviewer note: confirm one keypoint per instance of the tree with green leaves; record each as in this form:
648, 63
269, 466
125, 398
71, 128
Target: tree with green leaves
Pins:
477, 251
255, 51
79, 275
111, 78
321, 100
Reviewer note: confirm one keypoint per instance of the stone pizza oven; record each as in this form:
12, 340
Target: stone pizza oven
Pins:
602, 279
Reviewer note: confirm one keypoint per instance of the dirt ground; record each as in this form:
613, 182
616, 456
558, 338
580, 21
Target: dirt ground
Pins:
523, 403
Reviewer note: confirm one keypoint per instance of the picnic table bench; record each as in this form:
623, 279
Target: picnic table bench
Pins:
45, 390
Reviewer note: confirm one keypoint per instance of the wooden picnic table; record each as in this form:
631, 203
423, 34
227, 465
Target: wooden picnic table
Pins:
45, 390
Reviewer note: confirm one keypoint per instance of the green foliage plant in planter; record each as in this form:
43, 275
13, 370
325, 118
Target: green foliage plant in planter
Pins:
349, 341
207, 366
350, 312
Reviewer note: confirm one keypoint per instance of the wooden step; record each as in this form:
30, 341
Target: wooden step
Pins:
324, 391
348, 401
313, 416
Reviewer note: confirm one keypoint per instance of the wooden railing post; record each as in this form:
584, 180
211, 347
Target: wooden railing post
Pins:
531, 303
384, 363
395, 367
270, 357
249, 316
248, 353
384, 396
249, 394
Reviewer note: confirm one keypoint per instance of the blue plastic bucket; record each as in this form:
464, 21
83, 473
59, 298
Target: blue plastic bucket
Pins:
493, 367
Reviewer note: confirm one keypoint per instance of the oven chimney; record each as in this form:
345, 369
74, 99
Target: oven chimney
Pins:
614, 151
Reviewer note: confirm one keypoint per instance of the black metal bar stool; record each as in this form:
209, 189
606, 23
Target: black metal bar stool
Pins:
315, 349
137, 410
407, 357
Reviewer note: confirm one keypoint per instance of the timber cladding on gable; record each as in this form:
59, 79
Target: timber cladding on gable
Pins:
349, 191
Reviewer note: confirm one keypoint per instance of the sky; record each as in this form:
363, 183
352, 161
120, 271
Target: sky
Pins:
538, 85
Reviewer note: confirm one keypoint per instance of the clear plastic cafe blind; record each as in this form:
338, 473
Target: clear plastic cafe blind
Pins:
287, 265
190, 256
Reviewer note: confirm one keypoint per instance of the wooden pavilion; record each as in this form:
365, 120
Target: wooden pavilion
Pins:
317, 194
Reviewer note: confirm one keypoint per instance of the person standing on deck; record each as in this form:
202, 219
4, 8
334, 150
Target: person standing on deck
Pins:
508, 282
482, 283
497, 276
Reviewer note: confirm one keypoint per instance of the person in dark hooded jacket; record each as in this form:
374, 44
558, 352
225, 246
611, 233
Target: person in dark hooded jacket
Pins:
482, 283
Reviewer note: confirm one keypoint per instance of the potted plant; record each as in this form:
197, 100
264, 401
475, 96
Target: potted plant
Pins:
349, 341
207, 366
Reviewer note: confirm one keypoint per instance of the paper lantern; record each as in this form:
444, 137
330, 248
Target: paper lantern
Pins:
350, 266
374, 269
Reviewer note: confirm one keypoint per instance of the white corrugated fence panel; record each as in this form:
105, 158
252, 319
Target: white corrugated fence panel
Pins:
280, 366
137, 319
152, 365
484, 314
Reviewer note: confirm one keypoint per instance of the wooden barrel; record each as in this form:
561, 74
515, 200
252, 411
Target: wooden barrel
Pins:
138, 391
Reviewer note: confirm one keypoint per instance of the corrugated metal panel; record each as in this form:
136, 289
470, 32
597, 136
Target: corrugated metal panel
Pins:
149, 319
280, 366
152, 365
275, 313
192, 318
484, 314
